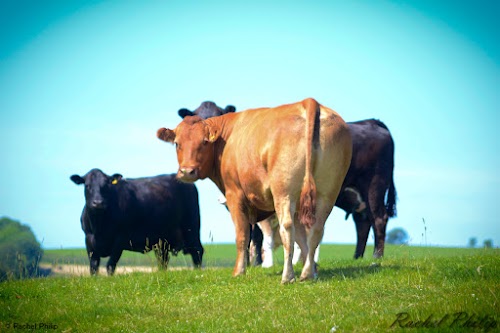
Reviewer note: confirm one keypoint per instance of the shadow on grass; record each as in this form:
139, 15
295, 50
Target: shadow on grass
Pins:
354, 272
342, 272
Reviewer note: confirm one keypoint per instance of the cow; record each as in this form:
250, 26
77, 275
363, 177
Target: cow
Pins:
291, 159
206, 110
372, 160
139, 215
368, 191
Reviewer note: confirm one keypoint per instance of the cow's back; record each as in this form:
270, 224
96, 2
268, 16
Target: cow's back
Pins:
267, 146
164, 207
373, 152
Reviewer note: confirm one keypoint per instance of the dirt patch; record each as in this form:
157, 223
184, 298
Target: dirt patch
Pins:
83, 270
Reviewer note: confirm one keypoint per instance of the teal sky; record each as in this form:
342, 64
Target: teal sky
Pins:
86, 84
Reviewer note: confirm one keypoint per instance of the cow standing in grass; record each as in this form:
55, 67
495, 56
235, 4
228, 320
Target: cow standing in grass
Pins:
207, 110
368, 191
291, 160
139, 215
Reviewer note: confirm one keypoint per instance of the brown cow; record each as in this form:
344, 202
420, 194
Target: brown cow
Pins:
291, 160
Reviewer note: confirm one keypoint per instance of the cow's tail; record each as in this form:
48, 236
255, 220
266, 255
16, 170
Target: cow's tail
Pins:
390, 206
307, 210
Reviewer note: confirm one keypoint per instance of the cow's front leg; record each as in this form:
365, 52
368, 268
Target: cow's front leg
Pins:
94, 264
94, 258
241, 225
242, 238
362, 223
116, 253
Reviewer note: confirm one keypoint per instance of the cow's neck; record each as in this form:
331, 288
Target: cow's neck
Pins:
215, 175
225, 125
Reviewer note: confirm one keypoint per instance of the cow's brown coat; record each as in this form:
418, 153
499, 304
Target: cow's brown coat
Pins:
290, 159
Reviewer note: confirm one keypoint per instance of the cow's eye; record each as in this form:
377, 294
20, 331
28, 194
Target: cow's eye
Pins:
176, 145
205, 142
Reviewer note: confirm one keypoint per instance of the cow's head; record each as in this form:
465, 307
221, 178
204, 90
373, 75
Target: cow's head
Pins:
98, 188
194, 142
206, 110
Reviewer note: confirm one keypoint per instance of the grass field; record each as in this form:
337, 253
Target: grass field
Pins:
422, 289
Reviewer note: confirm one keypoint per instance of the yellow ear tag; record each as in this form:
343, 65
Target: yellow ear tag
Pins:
211, 138
114, 181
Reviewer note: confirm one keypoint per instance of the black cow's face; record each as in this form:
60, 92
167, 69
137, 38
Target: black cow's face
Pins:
98, 188
207, 110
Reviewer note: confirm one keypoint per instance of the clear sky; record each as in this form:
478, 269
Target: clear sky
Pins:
86, 84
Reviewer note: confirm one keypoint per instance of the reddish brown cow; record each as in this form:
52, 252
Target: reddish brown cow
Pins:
290, 159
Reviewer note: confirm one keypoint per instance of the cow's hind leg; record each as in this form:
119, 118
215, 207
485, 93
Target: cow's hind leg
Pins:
267, 242
380, 228
315, 234
300, 246
258, 239
285, 213
377, 206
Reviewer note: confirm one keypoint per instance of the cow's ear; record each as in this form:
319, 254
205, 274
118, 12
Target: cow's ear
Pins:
213, 133
185, 112
166, 135
229, 109
77, 179
116, 178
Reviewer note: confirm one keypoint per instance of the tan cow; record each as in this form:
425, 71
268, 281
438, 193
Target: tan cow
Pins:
291, 159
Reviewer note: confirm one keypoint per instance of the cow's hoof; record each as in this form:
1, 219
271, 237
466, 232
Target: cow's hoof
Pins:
309, 277
288, 281
238, 273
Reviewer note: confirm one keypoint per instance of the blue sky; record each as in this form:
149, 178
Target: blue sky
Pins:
86, 84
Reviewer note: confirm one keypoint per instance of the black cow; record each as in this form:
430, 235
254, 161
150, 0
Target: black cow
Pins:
154, 213
207, 110
369, 179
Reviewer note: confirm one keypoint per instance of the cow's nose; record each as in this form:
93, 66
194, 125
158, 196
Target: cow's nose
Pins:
188, 171
97, 203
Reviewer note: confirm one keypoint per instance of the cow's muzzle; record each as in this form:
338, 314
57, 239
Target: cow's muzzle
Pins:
188, 175
97, 204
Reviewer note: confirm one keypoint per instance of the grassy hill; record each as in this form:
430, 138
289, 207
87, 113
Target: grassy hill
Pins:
415, 289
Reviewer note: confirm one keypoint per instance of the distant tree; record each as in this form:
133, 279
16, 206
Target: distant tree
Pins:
488, 243
20, 252
397, 236
472, 242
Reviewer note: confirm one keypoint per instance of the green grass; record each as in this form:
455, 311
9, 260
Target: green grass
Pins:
352, 296
222, 255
